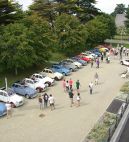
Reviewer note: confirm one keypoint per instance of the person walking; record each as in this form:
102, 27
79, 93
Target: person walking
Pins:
67, 86
71, 97
40, 99
91, 87
96, 78
91, 63
102, 57
78, 86
45, 98
9, 109
78, 99
97, 63
64, 85
71, 83
52, 102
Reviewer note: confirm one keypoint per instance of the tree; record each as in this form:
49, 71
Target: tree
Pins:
71, 34
9, 12
45, 9
40, 37
100, 29
15, 52
127, 16
120, 9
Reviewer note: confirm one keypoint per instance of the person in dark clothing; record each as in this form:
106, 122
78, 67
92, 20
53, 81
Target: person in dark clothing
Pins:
71, 97
78, 85
45, 98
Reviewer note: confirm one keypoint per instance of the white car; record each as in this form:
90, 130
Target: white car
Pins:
88, 55
44, 79
50, 73
125, 62
38, 85
12, 97
77, 64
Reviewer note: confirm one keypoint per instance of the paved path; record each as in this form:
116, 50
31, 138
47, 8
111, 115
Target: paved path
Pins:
65, 124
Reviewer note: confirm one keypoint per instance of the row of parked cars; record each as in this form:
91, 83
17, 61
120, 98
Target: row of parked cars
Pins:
39, 82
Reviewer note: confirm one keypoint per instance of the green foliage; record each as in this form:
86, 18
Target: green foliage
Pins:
125, 88
99, 29
9, 12
15, 52
100, 130
120, 9
71, 34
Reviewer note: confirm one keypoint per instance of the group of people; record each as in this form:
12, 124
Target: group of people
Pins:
68, 88
44, 100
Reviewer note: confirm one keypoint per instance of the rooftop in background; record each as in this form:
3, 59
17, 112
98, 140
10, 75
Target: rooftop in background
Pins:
120, 19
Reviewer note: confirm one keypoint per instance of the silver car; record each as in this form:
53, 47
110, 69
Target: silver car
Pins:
70, 66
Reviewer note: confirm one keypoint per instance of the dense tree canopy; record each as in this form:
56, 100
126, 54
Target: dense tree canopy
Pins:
65, 26
120, 9
71, 34
9, 12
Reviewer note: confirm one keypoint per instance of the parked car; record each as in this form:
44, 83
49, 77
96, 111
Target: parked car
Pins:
77, 64
61, 69
87, 55
125, 62
96, 52
52, 74
12, 97
90, 53
3, 109
84, 63
37, 85
43, 78
84, 58
71, 66
24, 90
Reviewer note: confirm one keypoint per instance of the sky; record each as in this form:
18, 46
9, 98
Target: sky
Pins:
106, 6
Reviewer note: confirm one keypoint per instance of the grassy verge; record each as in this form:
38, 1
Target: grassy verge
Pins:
118, 37
100, 131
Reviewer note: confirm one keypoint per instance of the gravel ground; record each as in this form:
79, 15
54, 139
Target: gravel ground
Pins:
65, 123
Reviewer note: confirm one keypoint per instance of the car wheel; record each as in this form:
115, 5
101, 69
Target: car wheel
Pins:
63, 74
12, 104
56, 78
121, 63
48, 83
71, 69
27, 96
38, 90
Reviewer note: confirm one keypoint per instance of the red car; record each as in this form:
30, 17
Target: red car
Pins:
82, 57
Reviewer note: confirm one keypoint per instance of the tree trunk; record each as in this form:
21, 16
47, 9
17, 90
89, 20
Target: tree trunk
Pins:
15, 70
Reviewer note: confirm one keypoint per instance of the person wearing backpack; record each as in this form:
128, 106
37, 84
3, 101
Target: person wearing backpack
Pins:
45, 98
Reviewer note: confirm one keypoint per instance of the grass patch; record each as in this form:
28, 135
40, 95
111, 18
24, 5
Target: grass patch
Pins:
125, 88
118, 37
100, 130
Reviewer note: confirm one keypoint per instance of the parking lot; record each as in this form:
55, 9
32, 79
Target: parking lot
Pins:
65, 123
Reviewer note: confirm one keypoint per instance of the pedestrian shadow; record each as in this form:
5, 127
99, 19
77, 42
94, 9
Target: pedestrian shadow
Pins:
100, 83
29, 108
85, 90
18, 115
96, 92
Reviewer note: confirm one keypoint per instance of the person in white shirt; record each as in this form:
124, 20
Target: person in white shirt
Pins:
9, 109
91, 87
51, 102
78, 99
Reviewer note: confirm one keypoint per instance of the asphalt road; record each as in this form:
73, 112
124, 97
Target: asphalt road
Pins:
65, 123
